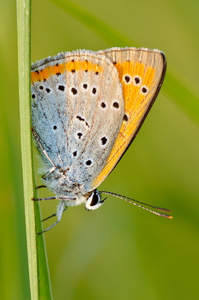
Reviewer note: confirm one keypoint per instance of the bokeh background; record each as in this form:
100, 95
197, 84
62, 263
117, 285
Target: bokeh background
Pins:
118, 251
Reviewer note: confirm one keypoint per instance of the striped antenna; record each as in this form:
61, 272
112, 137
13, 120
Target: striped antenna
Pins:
151, 208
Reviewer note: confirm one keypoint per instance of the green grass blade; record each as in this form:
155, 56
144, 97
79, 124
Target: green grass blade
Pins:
173, 87
38, 269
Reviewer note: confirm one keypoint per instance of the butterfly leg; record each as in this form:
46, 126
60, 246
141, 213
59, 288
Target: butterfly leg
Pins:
41, 186
53, 215
60, 209
53, 198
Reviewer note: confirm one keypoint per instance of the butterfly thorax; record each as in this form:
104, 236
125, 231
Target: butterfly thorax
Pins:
70, 191
60, 183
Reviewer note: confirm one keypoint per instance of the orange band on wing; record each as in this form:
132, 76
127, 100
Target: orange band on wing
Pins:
71, 66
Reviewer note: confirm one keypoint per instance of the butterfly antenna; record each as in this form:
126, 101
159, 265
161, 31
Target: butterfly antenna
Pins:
151, 208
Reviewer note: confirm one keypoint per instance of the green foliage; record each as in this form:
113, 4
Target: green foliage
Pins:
38, 269
118, 251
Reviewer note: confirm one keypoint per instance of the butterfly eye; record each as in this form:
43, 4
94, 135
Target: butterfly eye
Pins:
94, 201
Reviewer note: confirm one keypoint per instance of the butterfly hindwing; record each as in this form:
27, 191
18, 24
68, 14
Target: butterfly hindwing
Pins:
77, 111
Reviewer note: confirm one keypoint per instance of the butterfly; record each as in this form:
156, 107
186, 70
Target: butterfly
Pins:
87, 107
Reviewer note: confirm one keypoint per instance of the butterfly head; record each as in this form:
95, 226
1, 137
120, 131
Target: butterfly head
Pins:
94, 200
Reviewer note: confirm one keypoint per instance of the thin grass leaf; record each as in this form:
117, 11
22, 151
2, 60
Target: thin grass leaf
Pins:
38, 269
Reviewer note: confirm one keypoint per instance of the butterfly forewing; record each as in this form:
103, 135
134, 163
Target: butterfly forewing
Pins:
141, 73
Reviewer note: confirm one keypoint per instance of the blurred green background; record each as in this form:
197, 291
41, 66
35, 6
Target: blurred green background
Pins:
118, 251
